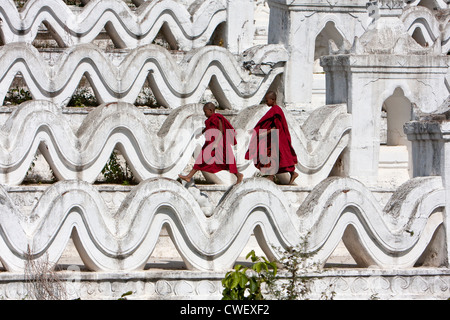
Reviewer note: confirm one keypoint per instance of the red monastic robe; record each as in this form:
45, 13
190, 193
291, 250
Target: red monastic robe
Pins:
264, 153
211, 159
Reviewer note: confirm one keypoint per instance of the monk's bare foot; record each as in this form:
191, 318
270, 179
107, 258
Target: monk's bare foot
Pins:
270, 178
294, 176
185, 178
240, 177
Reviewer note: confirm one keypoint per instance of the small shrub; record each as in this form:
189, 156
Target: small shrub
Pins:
115, 173
124, 296
77, 3
17, 96
82, 97
146, 99
294, 284
246, 283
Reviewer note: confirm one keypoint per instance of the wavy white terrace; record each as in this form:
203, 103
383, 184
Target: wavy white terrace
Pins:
174, 84
127, 28
152, 151
396, 236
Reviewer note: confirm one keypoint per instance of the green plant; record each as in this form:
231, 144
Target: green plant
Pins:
32, 177
245, 283
82, 97
146, 99
20, 3
74, 3
30, 169
124, 296
17, 96
115, 173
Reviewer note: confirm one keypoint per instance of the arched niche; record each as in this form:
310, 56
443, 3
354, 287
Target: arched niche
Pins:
398, 109
219, 36
395, 156
419, 37
329, 32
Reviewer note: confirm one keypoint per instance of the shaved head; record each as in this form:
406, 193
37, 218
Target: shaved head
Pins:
209, 106
271, 95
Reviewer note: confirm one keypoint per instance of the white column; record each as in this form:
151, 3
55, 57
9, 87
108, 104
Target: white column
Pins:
297, 33
431, 157
240, 25
347, 84
296, 24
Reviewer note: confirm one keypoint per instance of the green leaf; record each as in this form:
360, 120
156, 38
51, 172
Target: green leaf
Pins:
243, 281
238, 267
274, 267
123, 296
253, 285
235, 280
128, 293
225, 281
259, 266
251, 254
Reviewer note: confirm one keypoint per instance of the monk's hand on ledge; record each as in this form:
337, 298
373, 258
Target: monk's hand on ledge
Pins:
198, 133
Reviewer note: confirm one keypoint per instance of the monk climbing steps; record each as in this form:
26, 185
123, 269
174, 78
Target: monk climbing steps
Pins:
271, 146
217, 152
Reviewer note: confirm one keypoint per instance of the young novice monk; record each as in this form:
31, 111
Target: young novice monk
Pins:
217, 153
270, 133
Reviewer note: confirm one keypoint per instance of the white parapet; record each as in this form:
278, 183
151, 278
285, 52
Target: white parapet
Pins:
395, 236
126, 28
153, 151
174, 84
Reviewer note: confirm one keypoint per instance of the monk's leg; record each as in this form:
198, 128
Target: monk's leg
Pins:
239, 177
189, 176
294, 176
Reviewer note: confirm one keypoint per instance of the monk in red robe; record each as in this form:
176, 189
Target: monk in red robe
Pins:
217, 152
271, 146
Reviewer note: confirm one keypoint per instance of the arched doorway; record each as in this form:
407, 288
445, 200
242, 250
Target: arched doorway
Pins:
395, 165
329, 32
